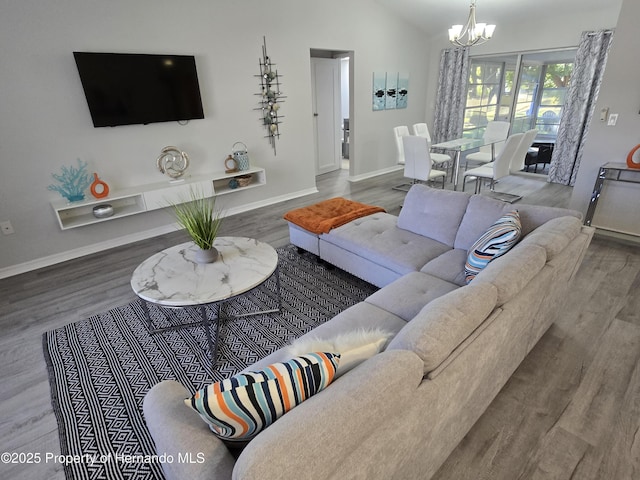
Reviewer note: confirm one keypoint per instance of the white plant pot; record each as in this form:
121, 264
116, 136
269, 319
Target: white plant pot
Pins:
206, 256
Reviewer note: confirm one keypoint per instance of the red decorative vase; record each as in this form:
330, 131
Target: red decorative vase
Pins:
631, 161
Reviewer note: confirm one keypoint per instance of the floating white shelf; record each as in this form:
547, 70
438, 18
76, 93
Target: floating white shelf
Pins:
221, 184
131, 201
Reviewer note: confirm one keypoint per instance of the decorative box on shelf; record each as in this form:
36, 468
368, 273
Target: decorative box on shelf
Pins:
134, 200
241, 180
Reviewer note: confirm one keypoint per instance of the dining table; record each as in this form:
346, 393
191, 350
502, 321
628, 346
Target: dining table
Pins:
464, 144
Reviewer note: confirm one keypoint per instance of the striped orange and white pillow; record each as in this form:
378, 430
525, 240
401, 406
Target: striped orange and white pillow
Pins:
240, 407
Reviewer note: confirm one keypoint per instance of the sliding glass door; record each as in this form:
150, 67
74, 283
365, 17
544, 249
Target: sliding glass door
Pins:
483, 97
528, 90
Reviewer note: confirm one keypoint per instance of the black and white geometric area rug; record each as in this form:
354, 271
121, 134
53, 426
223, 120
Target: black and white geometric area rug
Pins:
101, 368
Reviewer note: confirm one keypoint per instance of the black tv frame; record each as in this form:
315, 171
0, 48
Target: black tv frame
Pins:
139, 88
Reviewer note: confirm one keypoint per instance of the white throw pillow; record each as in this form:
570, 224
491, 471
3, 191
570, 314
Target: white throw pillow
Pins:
354, 347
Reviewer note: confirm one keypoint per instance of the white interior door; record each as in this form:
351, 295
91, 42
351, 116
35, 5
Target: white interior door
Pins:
325, 80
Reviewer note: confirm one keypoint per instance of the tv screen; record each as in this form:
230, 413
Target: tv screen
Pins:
129, 88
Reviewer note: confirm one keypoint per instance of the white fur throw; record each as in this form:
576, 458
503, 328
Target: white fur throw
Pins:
354, 347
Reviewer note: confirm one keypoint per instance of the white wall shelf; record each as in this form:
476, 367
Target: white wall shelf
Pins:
131, 201
221, 184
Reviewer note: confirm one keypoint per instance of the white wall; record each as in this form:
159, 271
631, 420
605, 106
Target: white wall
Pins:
45, 122
620, 91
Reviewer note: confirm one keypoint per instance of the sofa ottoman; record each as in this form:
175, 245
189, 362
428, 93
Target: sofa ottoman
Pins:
306, 224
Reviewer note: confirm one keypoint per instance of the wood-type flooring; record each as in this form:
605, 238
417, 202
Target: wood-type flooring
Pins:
571, 411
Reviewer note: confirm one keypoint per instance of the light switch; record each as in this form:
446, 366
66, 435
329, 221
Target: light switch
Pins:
613, 118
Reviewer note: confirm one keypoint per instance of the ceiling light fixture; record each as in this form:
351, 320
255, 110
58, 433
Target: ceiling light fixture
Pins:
476, 33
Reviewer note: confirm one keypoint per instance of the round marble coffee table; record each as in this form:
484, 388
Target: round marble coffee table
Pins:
172, 278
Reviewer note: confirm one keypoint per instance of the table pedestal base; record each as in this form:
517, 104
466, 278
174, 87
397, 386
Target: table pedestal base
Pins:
212, 341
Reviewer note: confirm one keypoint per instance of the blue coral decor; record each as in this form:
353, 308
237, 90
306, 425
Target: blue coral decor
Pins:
73, 182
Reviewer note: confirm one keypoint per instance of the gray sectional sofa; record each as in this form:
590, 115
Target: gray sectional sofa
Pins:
401, 412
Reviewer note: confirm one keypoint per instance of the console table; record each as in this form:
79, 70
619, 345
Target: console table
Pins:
611, 171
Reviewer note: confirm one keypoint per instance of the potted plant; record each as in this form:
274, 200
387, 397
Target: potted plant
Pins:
200, 218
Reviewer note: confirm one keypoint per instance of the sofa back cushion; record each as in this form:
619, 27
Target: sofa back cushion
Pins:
433, 213
533, 216
511, 272
445, 323
481, 212
554, 235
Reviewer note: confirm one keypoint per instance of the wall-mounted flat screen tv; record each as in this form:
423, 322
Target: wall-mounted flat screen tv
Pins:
129, 88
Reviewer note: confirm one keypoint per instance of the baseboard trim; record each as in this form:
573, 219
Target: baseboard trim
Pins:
82, 251
47, 261
270, 201
616, 234
377, 173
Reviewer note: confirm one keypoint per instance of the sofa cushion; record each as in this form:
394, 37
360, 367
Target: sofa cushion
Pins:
433, 213
240, 407
496, 241
449, 266
354, 346
360, 316
482, 212
406, 296
554, 235
377, 239
534, 216
445, 323
512, 272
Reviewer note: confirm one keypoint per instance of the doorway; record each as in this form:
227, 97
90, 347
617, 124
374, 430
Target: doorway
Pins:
331, 99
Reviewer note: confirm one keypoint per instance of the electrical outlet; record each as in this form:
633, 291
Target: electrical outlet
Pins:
7, 228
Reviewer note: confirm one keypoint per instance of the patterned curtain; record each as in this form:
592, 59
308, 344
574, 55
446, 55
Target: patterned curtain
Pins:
452, 94
584, 87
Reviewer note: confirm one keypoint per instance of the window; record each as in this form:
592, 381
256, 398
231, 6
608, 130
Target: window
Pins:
525, 106
535, 100
554, 93
483, 96
541, 96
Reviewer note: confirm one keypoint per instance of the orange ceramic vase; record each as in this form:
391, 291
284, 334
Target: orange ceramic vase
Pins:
99, 189
630, 160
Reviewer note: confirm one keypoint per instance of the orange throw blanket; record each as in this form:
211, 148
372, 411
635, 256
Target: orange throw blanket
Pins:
322, 217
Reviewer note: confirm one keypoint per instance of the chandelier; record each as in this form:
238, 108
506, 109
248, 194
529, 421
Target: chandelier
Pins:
475, 33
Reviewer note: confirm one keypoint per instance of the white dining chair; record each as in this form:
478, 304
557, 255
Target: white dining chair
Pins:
440, 160
398, 133
418, 162
517, 162
499, 168
496, 130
